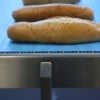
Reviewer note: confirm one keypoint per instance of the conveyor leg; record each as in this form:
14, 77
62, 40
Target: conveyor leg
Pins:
46, 80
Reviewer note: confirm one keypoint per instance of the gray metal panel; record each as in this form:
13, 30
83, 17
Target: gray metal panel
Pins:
69, 70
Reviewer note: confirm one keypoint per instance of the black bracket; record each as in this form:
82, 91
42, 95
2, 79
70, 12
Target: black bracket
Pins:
46, 80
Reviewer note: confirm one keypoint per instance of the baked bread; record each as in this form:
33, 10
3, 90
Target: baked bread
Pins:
30, 2
55, 30
40, 12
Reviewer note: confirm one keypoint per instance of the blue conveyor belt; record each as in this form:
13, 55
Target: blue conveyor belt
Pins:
6, 8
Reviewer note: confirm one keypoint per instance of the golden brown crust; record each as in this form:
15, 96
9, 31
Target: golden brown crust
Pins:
39, 12
20, 32
30, 2
57, 30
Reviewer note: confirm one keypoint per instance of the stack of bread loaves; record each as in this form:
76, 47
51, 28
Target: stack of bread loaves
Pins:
54, 23
30, 2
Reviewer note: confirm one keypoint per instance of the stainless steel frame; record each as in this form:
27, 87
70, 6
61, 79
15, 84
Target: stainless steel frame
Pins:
69, 69
49, 70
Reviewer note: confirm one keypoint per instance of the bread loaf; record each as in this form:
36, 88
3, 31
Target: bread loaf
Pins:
30, 2
40, 12
55, 30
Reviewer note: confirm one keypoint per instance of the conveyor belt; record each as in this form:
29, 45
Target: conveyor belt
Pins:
6, 8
